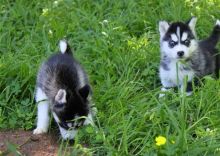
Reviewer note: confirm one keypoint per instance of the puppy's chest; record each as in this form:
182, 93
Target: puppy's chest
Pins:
176, 73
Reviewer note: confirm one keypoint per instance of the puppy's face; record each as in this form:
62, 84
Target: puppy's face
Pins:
177, 40
69, 106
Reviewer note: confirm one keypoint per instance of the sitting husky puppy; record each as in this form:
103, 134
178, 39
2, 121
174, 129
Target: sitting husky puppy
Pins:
183, 58
63, 87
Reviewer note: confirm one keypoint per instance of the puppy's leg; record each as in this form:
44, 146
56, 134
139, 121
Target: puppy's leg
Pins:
42, 113
166, 87
68, 134
189, 86
163, 89
188, 89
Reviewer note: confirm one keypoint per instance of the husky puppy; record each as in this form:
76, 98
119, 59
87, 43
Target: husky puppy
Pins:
183, 57
63, 88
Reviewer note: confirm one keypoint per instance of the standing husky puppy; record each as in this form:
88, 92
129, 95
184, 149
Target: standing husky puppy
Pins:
63, 87
183, 57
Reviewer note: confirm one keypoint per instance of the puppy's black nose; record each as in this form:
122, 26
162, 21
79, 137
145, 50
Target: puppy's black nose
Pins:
71, 141
180, 53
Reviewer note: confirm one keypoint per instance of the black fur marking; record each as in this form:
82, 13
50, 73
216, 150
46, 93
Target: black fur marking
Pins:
183, 28
59, 105
195, 82
189, 87
165, 66
186, 42
164, 63
172, 43
68, 50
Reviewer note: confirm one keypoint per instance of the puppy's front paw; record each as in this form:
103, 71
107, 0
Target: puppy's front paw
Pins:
89, 120
40, 131
163, 90
161, 95
188, 93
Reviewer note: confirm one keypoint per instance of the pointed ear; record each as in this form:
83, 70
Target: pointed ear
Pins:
84, 91
163, 27
192, 24
61, 96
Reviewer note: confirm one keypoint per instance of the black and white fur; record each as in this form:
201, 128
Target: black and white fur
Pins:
63, 88
183, 57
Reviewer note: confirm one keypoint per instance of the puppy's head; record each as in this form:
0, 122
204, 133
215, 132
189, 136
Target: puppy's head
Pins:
178, 39
70, 105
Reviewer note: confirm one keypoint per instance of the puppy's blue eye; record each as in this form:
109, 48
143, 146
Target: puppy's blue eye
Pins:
187, 42
172, 44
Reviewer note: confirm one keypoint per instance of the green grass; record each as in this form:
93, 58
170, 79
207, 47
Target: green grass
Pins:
118, 44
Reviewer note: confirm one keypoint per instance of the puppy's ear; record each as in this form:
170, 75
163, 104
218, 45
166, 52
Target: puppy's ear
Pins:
84, 91
163, 27
192, 24
61, 96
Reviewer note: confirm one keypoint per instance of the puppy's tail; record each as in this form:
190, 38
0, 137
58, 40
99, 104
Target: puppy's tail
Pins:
213, 39
64, 47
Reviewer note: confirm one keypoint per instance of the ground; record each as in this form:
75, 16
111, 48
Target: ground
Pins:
20, 142
117, 42
28, 144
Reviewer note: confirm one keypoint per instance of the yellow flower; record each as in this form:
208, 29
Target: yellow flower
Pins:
160, 140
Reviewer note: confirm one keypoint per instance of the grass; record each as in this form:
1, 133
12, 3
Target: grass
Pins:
118, 44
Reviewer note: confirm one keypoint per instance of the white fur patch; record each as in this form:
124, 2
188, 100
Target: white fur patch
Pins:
63, 46
42, 113
178, 32
174, 37
218, 22
56, 117
67, 134
61, 96
184, 36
